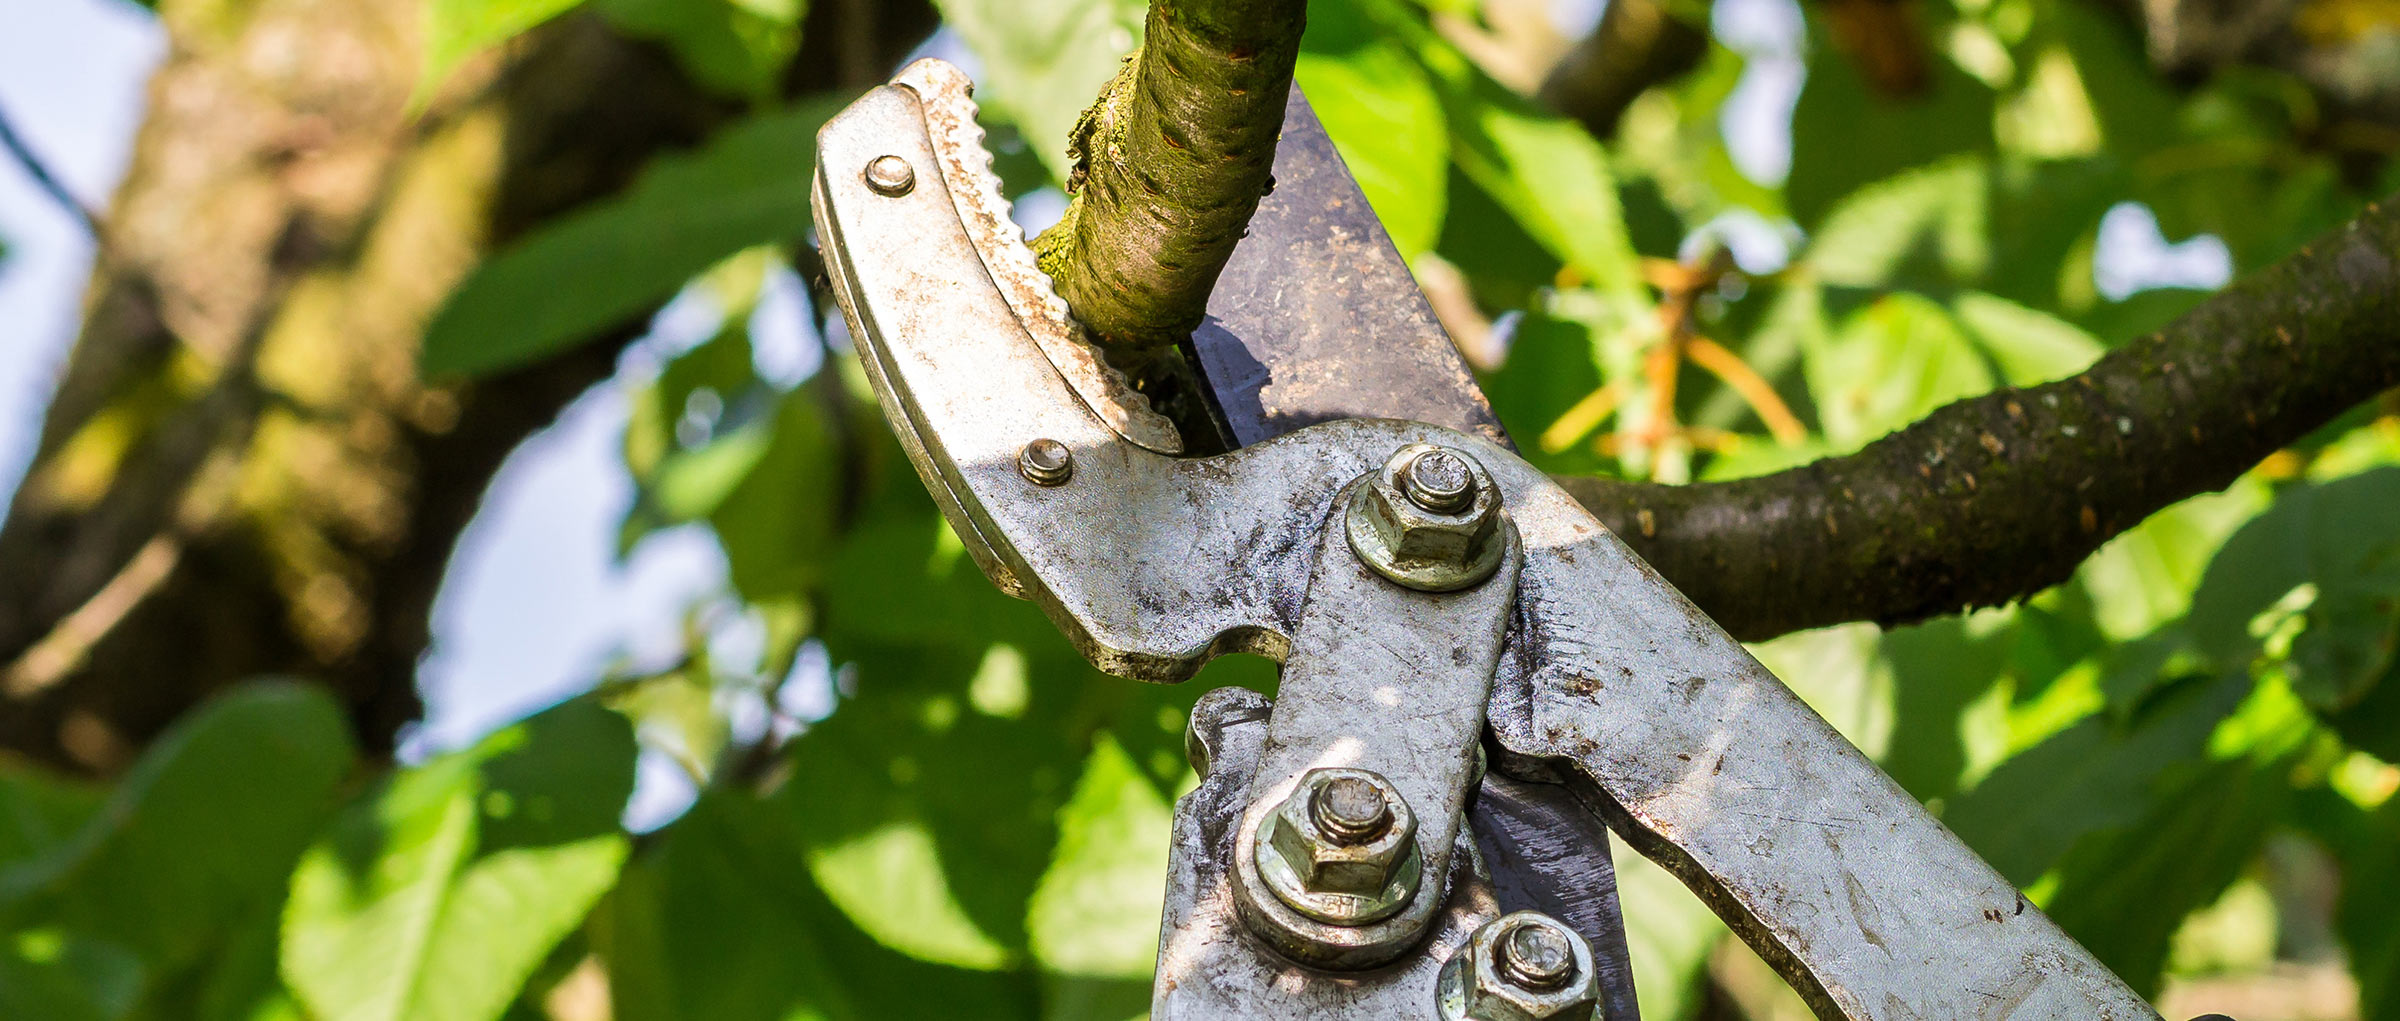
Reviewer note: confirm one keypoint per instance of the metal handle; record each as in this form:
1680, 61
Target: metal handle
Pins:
1709, 765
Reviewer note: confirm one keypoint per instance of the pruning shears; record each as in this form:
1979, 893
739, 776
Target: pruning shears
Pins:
1479, 681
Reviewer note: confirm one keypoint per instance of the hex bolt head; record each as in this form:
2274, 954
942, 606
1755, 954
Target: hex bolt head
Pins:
1521, 967
1341, 848
891, 176
1046, 462
1430, 519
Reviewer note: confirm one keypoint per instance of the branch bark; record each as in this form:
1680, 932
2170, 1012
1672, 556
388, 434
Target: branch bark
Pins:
1169, 165
1997, 497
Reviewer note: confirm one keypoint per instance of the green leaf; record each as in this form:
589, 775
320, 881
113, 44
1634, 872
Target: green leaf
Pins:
201, 832
1669, 935
1501, 261
930, 822
2143, 580
2135, 106
1044, 61
1096, 911
40, 811
777, 521
1939, 669
1889, 365
721, 920
2027, 346
54, 976
2328, 553
737, 47
1546, 171
435, 898
2100, 774
1550, 369
608, 263
1379, 105
1927, 227
2124, 895
694, 433
2366, 843
1846, 134
457, 29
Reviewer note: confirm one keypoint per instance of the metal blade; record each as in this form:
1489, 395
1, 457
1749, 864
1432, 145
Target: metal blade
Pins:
946, 96
1548, 853
1316, 318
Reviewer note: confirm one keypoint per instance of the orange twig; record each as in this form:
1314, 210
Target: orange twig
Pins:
1753, 388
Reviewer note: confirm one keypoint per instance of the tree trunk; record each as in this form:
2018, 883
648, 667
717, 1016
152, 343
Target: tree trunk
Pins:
241, 473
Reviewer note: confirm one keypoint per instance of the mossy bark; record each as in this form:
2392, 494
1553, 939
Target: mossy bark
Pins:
1997, 497
1169, 166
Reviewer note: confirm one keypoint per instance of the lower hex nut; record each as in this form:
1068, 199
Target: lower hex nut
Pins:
1525, 966
1342, 849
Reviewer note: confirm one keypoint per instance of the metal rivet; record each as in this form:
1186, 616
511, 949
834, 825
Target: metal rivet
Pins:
1439, 481
891, 175
1536, 955
1046, 462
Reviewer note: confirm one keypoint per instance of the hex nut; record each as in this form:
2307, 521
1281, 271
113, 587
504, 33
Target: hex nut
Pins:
1398, 524
1358, 877
1481, 983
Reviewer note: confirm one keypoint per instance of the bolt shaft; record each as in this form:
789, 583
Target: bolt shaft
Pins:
1439, 481
1536, 955
1351, 811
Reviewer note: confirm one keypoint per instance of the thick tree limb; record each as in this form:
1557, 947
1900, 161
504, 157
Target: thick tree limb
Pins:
2000, 496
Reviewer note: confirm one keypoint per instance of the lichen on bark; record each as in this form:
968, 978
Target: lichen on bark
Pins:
1169, 165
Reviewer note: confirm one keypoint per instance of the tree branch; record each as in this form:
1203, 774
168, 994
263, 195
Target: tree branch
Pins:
1169, 165
48, 182
1999, 496
1638, 44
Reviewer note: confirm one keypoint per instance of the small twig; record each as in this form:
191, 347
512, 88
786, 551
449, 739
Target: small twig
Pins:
48, 182
63, 651
1588, 414
1752, 387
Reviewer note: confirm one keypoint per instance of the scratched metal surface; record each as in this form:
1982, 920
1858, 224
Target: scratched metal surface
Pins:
1316, 317
1388, 679
1547, 852
1210, 967
1151, 565
1709, 765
